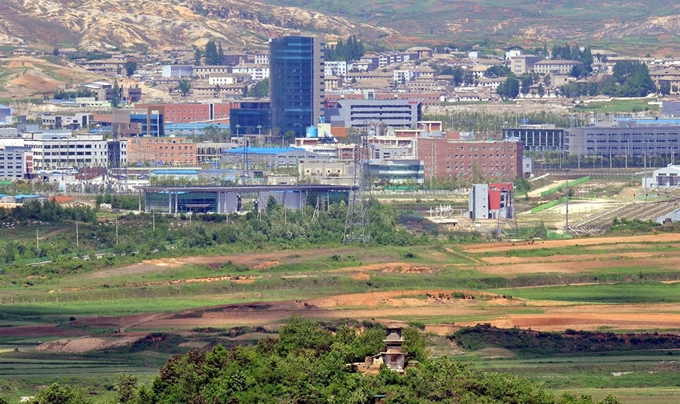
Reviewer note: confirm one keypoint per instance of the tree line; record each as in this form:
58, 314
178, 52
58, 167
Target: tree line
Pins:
352, 49
213, 54
151, 235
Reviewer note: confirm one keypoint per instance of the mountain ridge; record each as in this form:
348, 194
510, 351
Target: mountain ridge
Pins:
652, 25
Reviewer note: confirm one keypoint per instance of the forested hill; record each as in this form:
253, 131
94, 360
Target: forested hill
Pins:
309, 364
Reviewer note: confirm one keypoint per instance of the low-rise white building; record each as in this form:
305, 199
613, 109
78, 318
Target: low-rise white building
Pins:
221, 79
177, 71
666, 177
256, 71
555, 66
335, 68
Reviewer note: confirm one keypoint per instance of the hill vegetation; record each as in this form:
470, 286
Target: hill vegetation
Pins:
310, 364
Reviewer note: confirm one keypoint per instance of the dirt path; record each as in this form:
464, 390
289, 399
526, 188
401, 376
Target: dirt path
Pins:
123, 328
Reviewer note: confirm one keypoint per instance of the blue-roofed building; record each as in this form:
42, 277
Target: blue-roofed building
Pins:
25, 198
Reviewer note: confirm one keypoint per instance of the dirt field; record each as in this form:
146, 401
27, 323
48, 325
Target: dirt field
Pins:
546, 265
571, 258
588, 321
504, 246
387, 306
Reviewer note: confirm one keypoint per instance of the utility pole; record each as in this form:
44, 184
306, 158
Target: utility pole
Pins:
153, 219
77, 236
37, 240
116, 230
566, 188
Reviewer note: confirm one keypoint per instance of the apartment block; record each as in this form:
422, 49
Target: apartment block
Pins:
15, 162
447, 158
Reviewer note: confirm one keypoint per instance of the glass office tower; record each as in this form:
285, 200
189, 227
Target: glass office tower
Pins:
296, 85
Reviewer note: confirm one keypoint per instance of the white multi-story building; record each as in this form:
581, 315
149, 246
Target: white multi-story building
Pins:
177, 71
256, 71
335, 68
403, 76
15, 161
60, 149
221, 79
75, 121
259, 58
555, 66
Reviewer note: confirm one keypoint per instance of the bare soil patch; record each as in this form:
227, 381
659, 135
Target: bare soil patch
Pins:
252, 261
18, 64
393, 267
590, 321
582, 266
504, 246
361, 276
571, 258
82, 345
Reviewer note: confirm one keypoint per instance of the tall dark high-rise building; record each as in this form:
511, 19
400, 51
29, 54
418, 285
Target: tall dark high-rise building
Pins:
296, 89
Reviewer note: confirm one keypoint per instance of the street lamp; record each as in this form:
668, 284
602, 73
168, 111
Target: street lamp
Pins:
237, 129
566, 192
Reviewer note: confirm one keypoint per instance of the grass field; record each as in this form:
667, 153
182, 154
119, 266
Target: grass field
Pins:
636, 105
617, 284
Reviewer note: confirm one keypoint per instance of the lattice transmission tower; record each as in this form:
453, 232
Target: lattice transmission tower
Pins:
356, 222
508, 225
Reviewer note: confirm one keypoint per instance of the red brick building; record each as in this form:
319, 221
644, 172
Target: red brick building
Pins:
188, 113
172, 151
447, 158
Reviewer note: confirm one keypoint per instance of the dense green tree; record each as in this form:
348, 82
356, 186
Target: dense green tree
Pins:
197, 56
665, 88
60, 94
184, 87
527, 82
260, 90
56, 394
541, 90
115, 95
212, 56
55, 52
498, 71
509, 89
126, 386
130, 68
630, 79
351, 50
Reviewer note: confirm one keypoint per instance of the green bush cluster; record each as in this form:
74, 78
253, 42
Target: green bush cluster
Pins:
550, 344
